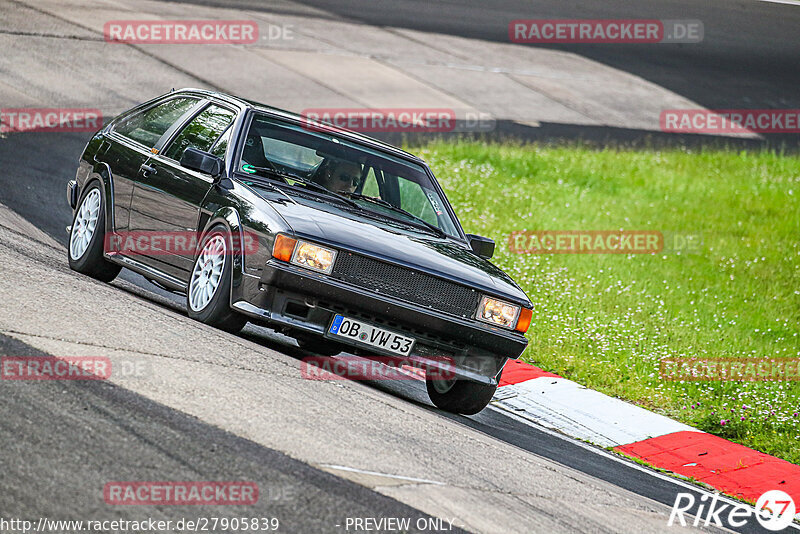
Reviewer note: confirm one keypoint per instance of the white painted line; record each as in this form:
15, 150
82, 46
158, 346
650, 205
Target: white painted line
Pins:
568, 407
375, 473
787, 2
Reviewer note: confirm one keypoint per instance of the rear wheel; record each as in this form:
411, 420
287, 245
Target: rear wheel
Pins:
87, 236
208, 294
459, 396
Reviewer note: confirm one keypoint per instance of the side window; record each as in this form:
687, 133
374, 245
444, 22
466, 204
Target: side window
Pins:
148, 126
201, 132
414, 200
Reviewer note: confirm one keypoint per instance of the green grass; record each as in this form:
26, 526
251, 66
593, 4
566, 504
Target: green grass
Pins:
606, 320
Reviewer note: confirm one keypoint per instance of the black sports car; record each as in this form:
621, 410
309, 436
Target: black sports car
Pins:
334, 238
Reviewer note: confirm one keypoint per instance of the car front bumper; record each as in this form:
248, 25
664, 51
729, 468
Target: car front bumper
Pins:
304, 301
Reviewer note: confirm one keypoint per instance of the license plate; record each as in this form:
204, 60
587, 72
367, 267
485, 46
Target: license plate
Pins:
364, 333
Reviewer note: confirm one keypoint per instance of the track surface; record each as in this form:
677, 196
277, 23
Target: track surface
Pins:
748, 58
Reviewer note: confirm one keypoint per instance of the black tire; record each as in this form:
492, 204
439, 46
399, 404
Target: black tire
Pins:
459, 396
319, 345
91, 261
217, 311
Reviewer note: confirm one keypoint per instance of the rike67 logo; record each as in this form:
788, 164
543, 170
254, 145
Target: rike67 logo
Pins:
774, 510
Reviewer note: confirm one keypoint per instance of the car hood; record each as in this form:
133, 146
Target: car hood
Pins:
446, 258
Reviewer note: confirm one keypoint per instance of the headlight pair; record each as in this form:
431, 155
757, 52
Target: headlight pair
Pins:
321, 259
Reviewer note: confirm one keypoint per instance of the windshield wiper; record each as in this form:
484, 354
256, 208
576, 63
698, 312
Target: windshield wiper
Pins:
311, 185
389, 205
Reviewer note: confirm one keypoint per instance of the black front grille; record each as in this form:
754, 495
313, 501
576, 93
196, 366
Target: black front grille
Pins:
405, 284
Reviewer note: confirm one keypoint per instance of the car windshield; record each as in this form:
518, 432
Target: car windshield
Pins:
374, 181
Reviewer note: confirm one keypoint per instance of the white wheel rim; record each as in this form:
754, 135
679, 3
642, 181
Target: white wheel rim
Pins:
85, 225
207, 273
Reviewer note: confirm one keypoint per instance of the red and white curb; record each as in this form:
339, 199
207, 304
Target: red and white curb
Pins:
582, 413
549, 400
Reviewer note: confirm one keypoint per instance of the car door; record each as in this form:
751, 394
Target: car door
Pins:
128, 147
167, 198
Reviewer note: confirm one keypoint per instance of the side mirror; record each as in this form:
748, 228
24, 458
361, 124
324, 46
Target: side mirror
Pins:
200, 161
482, 246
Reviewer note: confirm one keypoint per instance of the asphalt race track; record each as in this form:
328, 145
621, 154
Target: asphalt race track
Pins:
747, 59
218, 407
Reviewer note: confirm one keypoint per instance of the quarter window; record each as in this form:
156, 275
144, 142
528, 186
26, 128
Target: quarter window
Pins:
201, 132
148, 126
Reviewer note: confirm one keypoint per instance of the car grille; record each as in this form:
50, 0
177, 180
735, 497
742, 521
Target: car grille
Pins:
405, 284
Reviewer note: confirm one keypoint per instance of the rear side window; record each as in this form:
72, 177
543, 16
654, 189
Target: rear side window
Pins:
201, 132
148, 126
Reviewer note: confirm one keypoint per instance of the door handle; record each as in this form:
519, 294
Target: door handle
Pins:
147, 170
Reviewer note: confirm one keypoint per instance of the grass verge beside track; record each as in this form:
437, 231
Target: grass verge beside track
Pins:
607, 320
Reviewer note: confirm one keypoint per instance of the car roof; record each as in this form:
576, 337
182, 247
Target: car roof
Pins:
323, 126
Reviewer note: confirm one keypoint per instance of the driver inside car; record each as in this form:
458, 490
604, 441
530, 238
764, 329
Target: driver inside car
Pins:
339, 176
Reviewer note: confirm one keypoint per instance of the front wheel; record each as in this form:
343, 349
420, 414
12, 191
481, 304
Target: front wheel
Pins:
459, 396
208, 294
